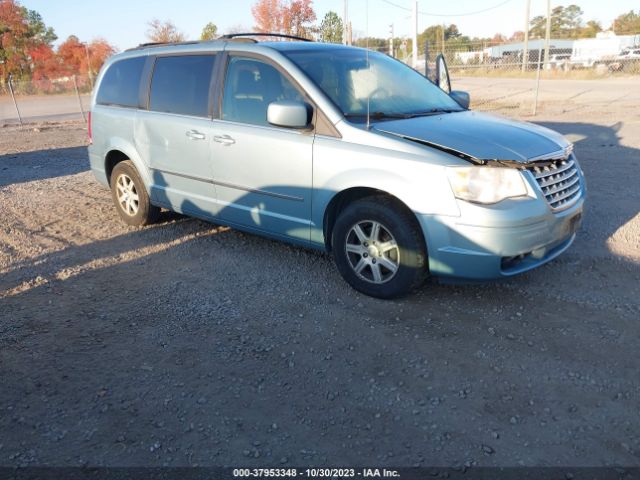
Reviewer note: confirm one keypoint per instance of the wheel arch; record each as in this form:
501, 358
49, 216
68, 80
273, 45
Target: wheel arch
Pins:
112, 158
345, 197
119, 152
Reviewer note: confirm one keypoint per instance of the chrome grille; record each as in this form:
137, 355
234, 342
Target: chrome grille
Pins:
559, 182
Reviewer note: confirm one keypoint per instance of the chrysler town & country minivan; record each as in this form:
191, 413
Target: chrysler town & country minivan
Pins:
335, 148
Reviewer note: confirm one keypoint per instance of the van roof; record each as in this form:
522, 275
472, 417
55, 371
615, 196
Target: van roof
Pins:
248, 37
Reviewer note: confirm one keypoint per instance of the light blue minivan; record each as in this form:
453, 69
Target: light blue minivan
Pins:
336, 148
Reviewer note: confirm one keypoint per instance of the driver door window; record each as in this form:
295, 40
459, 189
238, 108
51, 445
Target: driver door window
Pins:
250, 86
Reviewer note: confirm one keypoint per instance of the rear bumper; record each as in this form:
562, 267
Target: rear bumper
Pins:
486, 243
97, 167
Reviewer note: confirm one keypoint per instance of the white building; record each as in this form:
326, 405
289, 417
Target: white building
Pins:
535, 46
605, 46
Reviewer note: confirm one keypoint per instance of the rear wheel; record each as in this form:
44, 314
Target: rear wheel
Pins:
378, 247
130, 196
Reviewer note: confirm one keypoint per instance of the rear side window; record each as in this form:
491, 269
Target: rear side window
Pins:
181, 84
121, 82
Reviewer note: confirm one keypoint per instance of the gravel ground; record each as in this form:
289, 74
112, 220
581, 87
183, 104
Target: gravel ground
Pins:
187, 343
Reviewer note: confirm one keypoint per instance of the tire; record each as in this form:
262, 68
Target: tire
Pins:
378, 247
130, 196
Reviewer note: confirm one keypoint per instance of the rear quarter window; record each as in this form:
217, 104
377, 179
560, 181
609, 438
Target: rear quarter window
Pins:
181, 84
121, 82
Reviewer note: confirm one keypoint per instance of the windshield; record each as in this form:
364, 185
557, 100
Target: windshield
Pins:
389, 87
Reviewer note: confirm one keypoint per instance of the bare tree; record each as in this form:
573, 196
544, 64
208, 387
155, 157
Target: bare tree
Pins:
164, 32
237, 28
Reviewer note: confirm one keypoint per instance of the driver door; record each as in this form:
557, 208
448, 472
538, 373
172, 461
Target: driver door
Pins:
262, 173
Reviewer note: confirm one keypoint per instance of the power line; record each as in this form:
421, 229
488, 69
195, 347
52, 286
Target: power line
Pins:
449, 14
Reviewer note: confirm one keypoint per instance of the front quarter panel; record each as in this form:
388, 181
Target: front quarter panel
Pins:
339, 165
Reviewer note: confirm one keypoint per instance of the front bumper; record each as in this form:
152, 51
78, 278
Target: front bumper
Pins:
496, 241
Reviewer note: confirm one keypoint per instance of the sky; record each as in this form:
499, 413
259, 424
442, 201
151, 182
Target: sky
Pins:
123, 23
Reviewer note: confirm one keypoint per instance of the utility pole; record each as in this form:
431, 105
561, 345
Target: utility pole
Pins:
525, 51
345, 23
415, 34
547, 35
391, 40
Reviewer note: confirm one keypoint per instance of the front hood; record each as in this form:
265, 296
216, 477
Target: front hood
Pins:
480, 137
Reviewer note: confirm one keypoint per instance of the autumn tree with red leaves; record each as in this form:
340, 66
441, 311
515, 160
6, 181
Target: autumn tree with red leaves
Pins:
45, 63
80, 58
298, 17
292, 17
267, 14
26, 48
21, 32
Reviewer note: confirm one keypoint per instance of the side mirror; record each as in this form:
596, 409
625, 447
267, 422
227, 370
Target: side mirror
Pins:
442, 74
463, 98
289, 114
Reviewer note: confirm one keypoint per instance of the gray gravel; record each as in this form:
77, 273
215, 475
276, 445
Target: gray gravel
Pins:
187, 343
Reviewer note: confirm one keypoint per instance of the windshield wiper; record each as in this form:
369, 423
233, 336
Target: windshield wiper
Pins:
433, 111
376, 115
379, 115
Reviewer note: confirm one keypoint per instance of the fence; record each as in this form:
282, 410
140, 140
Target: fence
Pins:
526, 81
64, 98
560, 60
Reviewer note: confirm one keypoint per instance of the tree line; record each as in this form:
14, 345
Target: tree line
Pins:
297, 17
27, 52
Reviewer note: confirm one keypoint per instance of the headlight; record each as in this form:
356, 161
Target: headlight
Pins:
486, 184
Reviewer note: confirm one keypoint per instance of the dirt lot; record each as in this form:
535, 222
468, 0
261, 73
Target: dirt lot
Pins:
186, 343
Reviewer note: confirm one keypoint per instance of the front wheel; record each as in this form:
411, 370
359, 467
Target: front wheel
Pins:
378, 248
130, 196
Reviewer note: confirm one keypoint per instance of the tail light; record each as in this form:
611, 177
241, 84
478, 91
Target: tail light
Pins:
89, 126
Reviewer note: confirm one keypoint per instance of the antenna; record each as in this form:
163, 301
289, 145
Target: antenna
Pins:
368, 65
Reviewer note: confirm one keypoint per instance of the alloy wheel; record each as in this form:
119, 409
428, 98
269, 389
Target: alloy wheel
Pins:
128, 198
372, 251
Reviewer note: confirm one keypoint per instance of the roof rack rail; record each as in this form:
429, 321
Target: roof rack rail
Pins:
238, 37
231, 36
161, 44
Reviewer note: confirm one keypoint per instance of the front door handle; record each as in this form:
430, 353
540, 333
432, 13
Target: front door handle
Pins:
225, 140
195, 135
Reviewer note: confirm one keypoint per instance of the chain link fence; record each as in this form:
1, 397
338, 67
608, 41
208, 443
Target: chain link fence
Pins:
561, 61
525, 80
25, 101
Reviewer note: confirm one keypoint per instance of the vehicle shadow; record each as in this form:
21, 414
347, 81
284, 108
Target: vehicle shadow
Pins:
75, 260
29, 166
